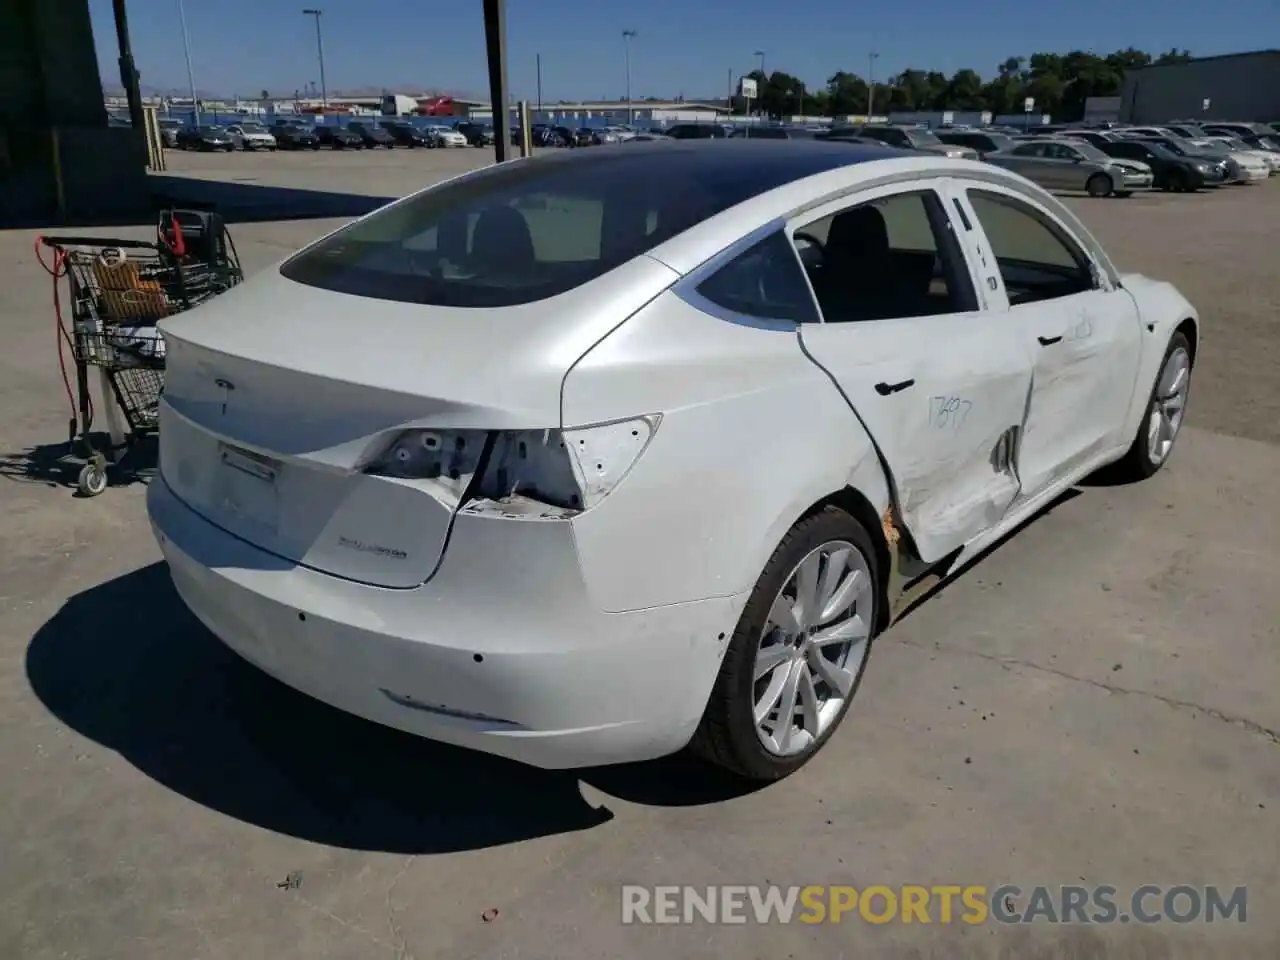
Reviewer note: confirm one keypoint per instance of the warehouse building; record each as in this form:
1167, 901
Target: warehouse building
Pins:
1237, 86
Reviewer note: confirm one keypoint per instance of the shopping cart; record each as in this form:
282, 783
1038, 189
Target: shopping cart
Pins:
119, 290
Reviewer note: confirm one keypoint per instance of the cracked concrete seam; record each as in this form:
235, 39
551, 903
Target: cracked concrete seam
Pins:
1243, 722
401, 945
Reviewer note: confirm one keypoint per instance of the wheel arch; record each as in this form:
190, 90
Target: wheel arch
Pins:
855, 503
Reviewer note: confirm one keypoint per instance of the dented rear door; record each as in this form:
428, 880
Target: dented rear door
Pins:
943, 398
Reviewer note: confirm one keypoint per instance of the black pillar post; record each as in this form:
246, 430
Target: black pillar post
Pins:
128, 71
495, 35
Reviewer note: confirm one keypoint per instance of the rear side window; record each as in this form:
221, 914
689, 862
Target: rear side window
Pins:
522, 232
765, 281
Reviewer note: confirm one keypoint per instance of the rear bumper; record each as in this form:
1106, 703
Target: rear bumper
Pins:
501, 651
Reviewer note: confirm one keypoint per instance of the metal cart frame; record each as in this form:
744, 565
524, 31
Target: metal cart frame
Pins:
119, 290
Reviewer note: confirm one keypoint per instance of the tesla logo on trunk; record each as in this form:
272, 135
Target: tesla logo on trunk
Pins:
227, 386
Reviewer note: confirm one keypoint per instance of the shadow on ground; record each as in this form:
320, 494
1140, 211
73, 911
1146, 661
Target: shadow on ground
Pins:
952, 575
58, 464
127, 665
237, 202
240, 202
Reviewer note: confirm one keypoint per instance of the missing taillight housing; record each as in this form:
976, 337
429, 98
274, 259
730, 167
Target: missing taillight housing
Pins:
529, 473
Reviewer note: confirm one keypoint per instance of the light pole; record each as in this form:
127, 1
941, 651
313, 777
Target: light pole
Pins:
760, 92
191, 77
800, 91
627, 37
324, 93
539, 86
871, 82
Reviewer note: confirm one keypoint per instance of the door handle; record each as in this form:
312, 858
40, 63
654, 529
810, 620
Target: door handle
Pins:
1048, 341
884, 389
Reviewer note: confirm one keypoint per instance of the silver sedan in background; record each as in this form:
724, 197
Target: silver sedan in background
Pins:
1060, 163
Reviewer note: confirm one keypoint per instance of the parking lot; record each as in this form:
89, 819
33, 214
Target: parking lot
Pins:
1093, 703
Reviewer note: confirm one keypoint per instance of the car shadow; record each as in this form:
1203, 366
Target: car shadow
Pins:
128, 666
58, 464
955, 575
240, 202
237, 202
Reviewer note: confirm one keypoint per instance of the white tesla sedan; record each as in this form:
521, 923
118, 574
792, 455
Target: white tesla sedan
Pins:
584, 458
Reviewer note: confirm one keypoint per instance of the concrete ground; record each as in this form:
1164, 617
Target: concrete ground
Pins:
1093, 703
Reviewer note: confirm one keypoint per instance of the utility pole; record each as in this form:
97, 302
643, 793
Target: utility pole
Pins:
871, 83
128, 71
627, 37
324, 93
539, 84
495, 40
191, 77
760, 92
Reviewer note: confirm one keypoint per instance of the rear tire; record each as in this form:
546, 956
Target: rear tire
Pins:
1099, 185
1176, 181
728, 734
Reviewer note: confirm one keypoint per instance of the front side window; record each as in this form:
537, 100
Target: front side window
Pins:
519, 233
1038, 260
1030, 150
893, 257
765, 281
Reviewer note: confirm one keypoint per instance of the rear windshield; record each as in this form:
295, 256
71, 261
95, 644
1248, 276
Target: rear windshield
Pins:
521, 232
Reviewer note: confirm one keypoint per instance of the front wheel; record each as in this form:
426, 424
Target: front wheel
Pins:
1099, 185
798, 653
92, 480
1166, 408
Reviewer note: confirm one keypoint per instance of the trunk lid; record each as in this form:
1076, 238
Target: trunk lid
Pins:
277, 393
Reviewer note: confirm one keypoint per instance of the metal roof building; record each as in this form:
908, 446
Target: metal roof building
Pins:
1237, 86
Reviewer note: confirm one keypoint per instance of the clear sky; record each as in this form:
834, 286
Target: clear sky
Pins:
682, 47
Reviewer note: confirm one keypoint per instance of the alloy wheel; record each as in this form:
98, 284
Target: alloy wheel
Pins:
1168, 404
811, 650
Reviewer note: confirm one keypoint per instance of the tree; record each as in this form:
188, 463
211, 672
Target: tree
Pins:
1060, 84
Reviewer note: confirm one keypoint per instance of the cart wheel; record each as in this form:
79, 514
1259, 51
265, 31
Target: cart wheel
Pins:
92, 480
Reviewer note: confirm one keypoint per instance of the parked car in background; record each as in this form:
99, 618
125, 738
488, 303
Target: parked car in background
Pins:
915, 138
1169, 171
291, 136
981, 142
372, 134
765, 131
1191, 131
252, 136
338, 138
169, 131
206, 138
477, 134
696, 131
432, 517
438, 135
548, 136
647, 136
1236, 129
1057, 163
1236, 145
1241, 168
405, 134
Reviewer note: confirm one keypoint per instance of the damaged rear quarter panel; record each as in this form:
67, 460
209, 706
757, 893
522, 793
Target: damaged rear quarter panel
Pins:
752, 435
